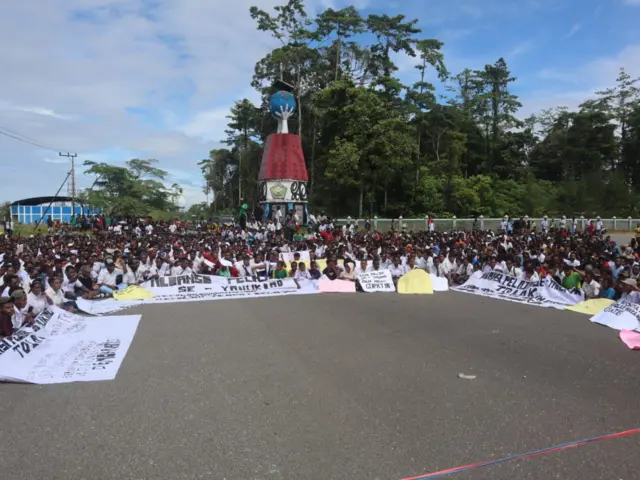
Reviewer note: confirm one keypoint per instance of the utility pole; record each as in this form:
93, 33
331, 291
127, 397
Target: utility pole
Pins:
72, 156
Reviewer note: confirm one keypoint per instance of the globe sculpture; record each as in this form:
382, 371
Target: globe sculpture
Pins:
282, 100
283, 175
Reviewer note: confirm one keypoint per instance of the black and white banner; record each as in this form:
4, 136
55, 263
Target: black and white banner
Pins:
195, 287
543, 293
622, 315
62, 347
377, 281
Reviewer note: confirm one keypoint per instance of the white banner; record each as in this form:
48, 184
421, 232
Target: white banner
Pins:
194, 288
62, 347
543, 293
622, 315
377, 281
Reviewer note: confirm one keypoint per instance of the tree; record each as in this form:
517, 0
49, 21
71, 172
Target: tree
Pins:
132, 190
375, 145
5, 210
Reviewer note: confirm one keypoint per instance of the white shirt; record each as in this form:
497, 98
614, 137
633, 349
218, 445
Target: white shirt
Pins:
302, 274
38, 303
161, 271
18, 316
178, 271
244, 270
108, 278
514, 272
633, 297
591, 289
360, 271
448, 266
68, 286
398, 271
534, 277
56, 297
133, 278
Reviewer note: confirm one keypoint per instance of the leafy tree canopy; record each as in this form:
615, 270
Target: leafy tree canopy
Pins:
374, 145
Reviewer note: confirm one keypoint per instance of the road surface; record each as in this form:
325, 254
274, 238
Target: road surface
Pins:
355, 387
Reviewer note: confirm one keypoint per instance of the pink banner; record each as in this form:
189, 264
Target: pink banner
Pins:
336, 286
631, 339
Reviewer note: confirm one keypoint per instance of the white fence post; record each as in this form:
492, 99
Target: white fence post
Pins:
375, 222
481, 222
614, 222
582, 222
630, 223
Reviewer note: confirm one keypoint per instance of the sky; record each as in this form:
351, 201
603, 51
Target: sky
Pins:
113, 80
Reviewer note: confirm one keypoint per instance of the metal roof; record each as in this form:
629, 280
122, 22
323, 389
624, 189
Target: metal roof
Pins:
41, 200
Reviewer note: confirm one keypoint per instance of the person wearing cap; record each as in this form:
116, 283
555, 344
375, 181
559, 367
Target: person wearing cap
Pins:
629, 289
108, 278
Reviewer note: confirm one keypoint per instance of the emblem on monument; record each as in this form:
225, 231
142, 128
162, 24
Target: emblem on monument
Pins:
278, 191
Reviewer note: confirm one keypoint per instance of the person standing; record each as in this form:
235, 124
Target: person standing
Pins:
243, 215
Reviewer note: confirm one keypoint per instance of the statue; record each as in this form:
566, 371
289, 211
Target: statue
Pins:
282, 181
282, 105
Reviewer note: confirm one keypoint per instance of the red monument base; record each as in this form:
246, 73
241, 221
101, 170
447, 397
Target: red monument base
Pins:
283, 159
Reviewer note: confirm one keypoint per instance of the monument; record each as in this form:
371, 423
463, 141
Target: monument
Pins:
282, 181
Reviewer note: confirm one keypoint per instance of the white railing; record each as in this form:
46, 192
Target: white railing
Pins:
444, 224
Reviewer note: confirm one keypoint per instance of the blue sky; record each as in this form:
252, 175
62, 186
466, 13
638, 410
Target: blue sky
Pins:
119, 79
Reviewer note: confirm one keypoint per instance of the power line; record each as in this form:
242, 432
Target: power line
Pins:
16, 136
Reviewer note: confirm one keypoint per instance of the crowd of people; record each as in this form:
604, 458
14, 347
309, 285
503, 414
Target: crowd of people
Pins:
58, 268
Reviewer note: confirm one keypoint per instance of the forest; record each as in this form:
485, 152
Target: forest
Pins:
375, 146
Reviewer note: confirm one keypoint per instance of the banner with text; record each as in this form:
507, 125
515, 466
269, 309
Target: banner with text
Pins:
622, 315
377, 281
543, 293
62, 347
194, 287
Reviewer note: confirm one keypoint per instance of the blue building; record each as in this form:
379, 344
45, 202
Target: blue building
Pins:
32, 210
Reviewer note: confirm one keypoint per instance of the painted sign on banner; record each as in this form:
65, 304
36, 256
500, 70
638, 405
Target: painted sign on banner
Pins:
622, 315
377, 281
543, 293
195, 287
62, 347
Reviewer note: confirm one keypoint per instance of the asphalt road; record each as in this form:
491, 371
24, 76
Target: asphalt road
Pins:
357, 387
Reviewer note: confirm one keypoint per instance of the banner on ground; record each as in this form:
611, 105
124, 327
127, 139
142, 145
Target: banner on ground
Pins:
195, 287
543, 293
415, 282
326, 285
622, 315
377, 281
134, 292
62, 347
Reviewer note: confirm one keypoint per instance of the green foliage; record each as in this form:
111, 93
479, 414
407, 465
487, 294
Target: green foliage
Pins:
5, 210
135, 189
376, 146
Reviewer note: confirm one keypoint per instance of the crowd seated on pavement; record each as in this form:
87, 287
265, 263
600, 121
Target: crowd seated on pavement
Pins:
109, 254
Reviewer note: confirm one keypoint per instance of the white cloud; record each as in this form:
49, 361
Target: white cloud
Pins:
72, 69
573, 87
574, 29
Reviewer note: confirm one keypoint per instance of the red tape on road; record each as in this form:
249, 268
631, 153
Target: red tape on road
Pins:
535, 453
